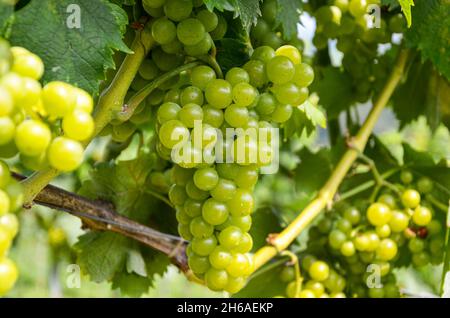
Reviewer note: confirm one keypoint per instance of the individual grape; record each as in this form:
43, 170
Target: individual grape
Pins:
172, 132
10, 224
84, 101
79, 125
282, 113
65, 154
245, 245
425, 185
357, 7
32, 137
236, 116
244, 94
319, 271
173, 47
219, 93
59, 98
167, 111
191, 94
8, 129
287, 274
190, 31
198, 264
235, 284
177, 194
379, 214
221, 29
14, 84
304, 75
28, 65
204, 246
230, 237
316, 287
15, 193
214, 212
257, 72
202, 75
353, 215
32, 92
194, 192
201, 48
263, 54
237, 75
216, 279
416, 245
434, 227
206, 179
153, 3
386, 250
238, 266
182, 217
280, 70
246, 177
287, 93
189, 114
209, 19
212, 116
6, 102
290, 52
266, 104
420, 259
8, 275
383, 231
269, 11
348, 249
178, 10
165, 61
121, 133
200, 228
220, 257
410, 198
399, 221
163, 30
192, 207
406, 177
242, 203
4, 203
422, 216
336, 238
343, 225
388, 200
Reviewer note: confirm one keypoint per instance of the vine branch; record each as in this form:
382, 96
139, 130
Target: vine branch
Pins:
282, 241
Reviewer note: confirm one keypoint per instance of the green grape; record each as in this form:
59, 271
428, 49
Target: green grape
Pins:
190, 113
316, 287
163, 30
212, 116
357, 7
416, 245
178, 10
246, 177
227, 170
183, 230
245, 245
14, 84
59, 98
287, 274
290, 52
221, 29
8, 130
153, 3
388, 200
173, 47
15, 193
425, 185
190, 31
420, 259
32, 137
348, 249
220, 257
206, 179
379, 214
167, 111
406, 177
121, 133
282, 113
28, 65
198, 264
336, 238
209, 19
287, 93
216, 279
319, 271
263, 54
383, 231
79, 125
10, 224
399, 221
230, 237
353, 215
410, 198
280, 70
182, 217
8, 275
65, 154
422, 216
164, 61
260, 30
192, 207
177, 194
224, 190
200, 228
4, 203
257, 72
214, 212
242, 203
202, 75
269, 11
387, 250
272, 40
397, 23
148, 70
237, 75
235, 284
191, 94
172, 132
344, 225
201, 48
6, 102
236, 116
266, 104
194, 192
218, 93
239, 265
244, 94
304, 75
204, 246
172, 96
434, 227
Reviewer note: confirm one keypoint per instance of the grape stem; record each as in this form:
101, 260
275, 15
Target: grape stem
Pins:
109, 104
101, 216
326, 194
129, 108
298, 278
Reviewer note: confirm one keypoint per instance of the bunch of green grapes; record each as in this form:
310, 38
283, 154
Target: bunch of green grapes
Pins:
358, 38
10, 201
45, 125
267, 31
318, 280
392, 227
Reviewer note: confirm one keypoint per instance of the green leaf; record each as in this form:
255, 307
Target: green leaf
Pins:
305, 118
430, 33
231, 53
335, 90
406, 8
265, 283
131, 285
6, 15
247, 10
314, 114
78, 53
264, 222
288, 16
136, 263
101, 255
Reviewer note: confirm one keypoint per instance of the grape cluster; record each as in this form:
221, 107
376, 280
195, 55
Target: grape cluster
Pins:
44, 124
390, 227
10, 201
319, 280
358, 38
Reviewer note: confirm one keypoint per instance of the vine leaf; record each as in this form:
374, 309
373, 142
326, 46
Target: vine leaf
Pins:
288, 16
406, 8
305, 118
247, 10
6, 15
85, 34
432, 17
265, 285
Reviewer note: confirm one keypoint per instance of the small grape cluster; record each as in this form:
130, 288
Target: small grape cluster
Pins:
389, 228
320, 281
358, 38
29, 113
10, 201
